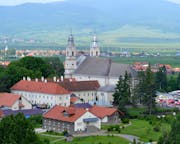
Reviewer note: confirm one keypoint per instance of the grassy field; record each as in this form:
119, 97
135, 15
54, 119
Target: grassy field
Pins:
172, 60
144, 130
88, 140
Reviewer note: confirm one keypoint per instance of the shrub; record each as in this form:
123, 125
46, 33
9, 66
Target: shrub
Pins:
156, 128
125, 120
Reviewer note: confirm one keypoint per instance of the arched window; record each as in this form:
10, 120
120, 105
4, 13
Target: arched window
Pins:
72, 53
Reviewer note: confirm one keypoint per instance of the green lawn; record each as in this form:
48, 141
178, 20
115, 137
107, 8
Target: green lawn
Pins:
96, 140
172, 60
144, 130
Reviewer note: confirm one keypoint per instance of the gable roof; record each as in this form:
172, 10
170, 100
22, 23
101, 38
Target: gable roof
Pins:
102, 112
94, 66
80, 85
82, 105
8, 99
98, 66
107, 88
41, 87
57, 113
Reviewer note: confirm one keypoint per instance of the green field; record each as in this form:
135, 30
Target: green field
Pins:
88, 140
172, 60
144, 130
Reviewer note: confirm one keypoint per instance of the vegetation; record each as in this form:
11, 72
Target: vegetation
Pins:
95, 140
33, 67
172, 137
17, 130
122, 95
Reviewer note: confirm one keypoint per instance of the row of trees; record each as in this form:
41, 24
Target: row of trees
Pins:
145, 91
33, 67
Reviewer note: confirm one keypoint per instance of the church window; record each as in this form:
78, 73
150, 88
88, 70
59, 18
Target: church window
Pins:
96, 53
72, 53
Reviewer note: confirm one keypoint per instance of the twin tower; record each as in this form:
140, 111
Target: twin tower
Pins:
70, 64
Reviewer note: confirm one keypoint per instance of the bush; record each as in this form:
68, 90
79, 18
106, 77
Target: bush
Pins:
156, 128
125, 120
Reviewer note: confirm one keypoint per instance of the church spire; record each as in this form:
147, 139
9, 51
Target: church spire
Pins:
71, 41
94, 49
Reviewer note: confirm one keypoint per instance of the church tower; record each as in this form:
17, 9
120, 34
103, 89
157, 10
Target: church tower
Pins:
94, 49
70, 62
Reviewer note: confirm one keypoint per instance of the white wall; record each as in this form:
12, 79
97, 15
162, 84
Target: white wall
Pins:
87, 96
105, 98
26, 103
104, 120
81, 125
15, 106
42, 98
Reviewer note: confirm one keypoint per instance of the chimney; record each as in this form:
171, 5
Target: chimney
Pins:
70, 80
42, 78
28, 79
54, 79
24, 78
36, 79
45, 80
57, 80
62, 78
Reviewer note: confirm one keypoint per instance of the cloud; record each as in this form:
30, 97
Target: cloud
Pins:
17, 2
174, 1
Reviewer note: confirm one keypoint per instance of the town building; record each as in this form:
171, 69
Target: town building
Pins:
85, 90
42, 92
14, 102
107, 115
70, 119
93, 67
105, 95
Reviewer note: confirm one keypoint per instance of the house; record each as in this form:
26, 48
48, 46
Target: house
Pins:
14, 102
105, 95
73, 120
85, 90
42, 92
107, 115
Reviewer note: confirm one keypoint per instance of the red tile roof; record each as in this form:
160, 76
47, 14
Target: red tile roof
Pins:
8, 99
102, 112
41, 87
57, 113
80, 85
74, 99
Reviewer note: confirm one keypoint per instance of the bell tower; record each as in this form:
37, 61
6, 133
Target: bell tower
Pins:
94, 49
70, 64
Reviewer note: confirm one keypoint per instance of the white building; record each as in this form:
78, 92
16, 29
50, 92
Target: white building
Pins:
14, 102
85, 90
105, 95
93, 67
42, 93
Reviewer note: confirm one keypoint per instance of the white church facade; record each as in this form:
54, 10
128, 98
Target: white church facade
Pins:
93, 67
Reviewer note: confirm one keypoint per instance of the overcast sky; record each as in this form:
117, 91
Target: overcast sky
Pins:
16, 2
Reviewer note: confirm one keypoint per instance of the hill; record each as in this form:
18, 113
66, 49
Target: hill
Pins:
113, 21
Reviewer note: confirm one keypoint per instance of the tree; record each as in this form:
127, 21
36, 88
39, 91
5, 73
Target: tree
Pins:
145, 89
174, 136
122, 92
17, 130
161, 79
33, 67
55, 64
178, 81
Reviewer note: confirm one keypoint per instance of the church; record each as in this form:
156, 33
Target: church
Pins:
93, 66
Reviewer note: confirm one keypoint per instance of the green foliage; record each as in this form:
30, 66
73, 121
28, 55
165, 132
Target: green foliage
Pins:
33, 67
55, 64
125, 120
174, 136
161, 79
122, 92
114, 128
36, 121
145, 90
17, 130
